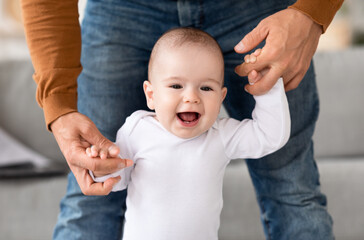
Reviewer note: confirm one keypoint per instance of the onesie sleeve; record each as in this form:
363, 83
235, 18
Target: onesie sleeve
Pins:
126, 152
267, 132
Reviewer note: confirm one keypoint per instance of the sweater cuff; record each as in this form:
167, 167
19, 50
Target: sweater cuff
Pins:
57, 92
321, 12
59, 104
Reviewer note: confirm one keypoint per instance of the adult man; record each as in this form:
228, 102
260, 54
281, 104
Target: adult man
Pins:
117, 37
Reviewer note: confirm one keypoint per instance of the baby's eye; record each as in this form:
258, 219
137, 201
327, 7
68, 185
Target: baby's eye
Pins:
206, 88
176, 86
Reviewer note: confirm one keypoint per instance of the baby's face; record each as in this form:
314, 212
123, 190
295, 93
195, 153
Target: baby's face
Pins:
185, 89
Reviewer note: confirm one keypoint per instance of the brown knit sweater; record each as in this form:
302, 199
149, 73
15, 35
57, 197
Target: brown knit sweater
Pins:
54, 39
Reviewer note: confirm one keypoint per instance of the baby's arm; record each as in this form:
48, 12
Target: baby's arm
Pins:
93, 151
267, 132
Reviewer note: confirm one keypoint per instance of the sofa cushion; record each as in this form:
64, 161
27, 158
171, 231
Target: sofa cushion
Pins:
340, 80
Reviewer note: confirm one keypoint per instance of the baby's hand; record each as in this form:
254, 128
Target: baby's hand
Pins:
93, 151
252, 58
254, 76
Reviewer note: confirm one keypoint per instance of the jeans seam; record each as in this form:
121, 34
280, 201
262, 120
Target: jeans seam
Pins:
266, 223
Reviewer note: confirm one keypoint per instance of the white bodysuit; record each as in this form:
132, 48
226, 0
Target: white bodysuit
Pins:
175, 185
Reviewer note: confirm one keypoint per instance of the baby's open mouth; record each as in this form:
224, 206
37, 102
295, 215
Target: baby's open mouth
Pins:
188, 117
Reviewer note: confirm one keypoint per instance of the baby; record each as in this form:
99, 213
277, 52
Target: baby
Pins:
181, 150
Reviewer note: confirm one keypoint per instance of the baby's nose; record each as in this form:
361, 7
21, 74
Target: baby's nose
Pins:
191, 97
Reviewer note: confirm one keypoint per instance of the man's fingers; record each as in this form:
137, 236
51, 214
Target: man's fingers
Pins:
293, 83
252, 39
109, 165
255, 76
75, 133
109, 183
89, 187
106, 166
86, 183
102, 188
265, 83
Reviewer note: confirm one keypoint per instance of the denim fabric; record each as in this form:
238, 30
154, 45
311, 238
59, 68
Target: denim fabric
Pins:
117, 37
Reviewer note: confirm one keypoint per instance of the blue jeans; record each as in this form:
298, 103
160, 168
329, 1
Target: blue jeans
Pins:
117, 37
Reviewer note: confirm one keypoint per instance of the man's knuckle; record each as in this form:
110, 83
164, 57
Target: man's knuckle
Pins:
106, 191
85, 190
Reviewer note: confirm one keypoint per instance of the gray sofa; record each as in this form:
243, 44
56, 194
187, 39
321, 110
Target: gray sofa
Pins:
29, 207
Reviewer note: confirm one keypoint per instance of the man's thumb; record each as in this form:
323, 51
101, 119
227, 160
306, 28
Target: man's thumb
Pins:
250, 41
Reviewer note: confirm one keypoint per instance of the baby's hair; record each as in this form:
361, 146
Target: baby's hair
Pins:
180, 36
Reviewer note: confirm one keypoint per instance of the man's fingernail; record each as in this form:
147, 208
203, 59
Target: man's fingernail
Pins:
126, 163
129, 162
118, 178
239, 46
246, 90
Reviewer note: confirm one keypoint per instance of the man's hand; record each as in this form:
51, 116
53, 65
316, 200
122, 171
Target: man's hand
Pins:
74, 133
291, 41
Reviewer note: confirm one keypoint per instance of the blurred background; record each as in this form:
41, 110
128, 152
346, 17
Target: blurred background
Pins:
346, 30
33, 170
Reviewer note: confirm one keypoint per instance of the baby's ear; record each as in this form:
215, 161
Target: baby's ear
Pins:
148, 91
223, 93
